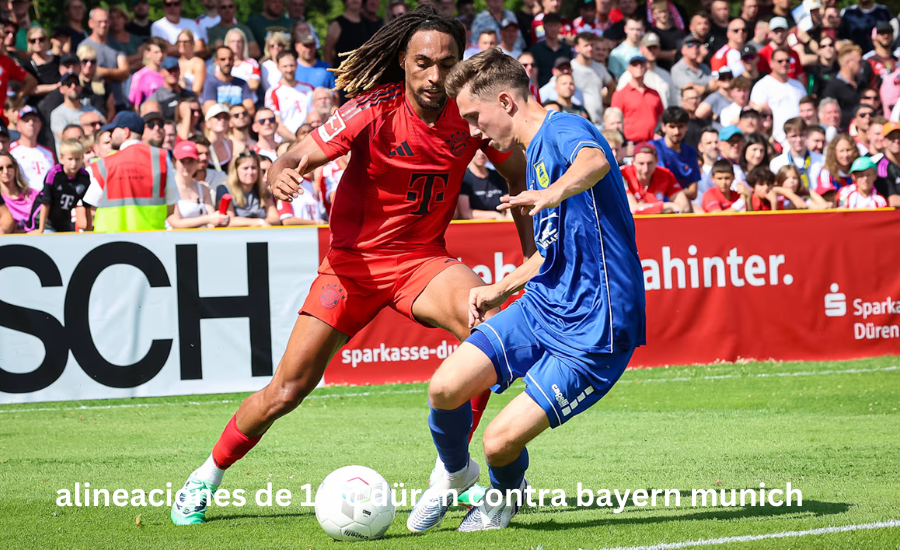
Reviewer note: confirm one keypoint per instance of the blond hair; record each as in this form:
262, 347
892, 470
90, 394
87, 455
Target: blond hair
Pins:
234, 185
85, 51
73, 146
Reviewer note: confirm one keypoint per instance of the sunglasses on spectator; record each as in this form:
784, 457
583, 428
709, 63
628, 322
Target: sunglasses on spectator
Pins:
228, 7
171, 4
39, 39
247, 153
269, 120
240, 113
739, 29
782, 61
5, 167
88, 61
870, 97
867, 114
154, 124
185, 42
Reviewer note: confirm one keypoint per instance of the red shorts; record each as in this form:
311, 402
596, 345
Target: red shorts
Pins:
353, 287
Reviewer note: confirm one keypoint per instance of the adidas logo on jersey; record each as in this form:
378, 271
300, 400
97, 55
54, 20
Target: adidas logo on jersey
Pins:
402, 150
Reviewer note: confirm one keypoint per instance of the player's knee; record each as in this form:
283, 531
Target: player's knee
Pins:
288, 395
443, 392
499, 450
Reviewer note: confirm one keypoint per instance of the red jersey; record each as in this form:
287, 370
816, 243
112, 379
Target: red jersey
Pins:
537, 28
662, 185
715, 201
9, 71
764, 61
402, 183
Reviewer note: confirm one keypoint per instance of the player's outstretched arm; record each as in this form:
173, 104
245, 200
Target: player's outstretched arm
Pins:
485, 298
286, 174
590, 166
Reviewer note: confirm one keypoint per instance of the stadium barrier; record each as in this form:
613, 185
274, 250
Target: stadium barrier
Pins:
194, 312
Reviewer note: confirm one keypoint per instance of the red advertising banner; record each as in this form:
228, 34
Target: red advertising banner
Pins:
785, 286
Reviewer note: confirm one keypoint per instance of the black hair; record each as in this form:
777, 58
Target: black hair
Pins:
675, 115
753, 139
760, 174
722, 166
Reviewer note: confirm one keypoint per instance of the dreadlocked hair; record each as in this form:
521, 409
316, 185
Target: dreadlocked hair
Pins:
375, 62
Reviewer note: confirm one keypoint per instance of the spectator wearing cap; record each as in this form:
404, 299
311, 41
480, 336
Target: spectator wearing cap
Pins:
548, 92
485, 41
140, 23
509, 35
640, 104
547, 51
731, 145
857, 22
650, 187
749, 121
881, 59
34, 159
41, 64
112, 64
221, 148
310, 69
133, 189
222, 87
149, 79
888, 182
74, 22
861, 193
620, 57
94, 92
656, 77
71, 109
216, 34
690, 69
170, 27
844, 87
171, 92
154, 129
808, 16
729, 55
740, 99
592, 78
678, 157
670, 33
496, 18
195, 207
779, 93
778, 32
750, 61
808, 163
270, 20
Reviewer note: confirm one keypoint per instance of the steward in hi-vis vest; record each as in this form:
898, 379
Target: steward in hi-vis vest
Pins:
133, 189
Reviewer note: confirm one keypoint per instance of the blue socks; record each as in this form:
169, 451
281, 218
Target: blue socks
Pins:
450, 432
509, 477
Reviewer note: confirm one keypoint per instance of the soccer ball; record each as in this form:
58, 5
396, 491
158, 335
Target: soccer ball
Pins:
354, 503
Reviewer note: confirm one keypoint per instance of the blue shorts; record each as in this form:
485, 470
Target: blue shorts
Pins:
563, 381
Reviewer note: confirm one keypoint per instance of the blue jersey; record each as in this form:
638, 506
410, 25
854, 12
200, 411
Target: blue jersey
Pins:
589, 294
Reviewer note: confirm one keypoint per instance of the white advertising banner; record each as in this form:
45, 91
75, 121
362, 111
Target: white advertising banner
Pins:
148, 314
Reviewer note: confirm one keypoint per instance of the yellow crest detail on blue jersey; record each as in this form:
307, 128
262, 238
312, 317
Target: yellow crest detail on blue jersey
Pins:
542, 175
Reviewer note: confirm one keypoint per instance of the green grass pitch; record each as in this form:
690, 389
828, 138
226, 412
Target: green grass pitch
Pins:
830, 429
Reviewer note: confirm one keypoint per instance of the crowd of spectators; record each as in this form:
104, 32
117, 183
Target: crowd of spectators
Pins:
758, 105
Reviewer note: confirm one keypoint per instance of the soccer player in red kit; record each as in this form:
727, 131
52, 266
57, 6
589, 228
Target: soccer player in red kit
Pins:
409, 151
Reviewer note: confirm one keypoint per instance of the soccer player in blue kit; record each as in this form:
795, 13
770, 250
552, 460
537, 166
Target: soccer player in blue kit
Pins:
573, 332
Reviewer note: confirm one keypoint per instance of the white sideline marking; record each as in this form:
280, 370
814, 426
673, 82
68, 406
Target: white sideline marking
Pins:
196, 403
762, 375
397, 392
750, 538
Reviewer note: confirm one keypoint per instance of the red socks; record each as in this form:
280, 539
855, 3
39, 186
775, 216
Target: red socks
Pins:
479, 404
232, 445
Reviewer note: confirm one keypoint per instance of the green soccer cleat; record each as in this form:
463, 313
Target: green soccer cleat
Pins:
473, 496
190, 502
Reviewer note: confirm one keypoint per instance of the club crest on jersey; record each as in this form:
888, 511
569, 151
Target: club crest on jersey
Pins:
331, 296
542, 175
457, 142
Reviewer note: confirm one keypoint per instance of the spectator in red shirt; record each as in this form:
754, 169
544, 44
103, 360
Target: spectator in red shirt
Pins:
778, 32
11, 71
652, 189
766, 195
641, 105
722, 198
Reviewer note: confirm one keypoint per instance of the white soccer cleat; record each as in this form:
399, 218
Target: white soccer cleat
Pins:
485, 517
431, 507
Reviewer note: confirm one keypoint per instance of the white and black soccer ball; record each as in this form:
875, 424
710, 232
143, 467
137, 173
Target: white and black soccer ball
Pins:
354, 503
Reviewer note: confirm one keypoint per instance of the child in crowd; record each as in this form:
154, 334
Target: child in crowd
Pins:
64, 188
722, 198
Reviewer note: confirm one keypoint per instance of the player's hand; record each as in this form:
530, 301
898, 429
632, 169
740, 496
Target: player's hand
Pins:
286, 186
483, 299
532, 201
